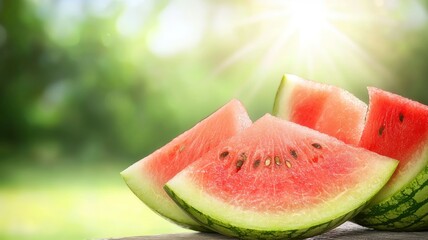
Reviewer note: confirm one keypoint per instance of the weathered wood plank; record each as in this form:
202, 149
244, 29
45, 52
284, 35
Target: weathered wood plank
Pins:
348, 231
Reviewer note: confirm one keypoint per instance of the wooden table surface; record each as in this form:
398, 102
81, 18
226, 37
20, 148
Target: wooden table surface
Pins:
346, 231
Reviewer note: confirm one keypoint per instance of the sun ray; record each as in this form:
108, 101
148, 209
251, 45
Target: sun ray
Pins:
238, 55
266, 61
372, 64
302, 37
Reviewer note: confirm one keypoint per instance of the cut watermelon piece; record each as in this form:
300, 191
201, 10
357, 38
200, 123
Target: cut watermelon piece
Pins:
147, 177
398, 127
277, 180
322, 107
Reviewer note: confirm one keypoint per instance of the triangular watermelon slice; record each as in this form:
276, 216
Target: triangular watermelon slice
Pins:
322, 107
398, 127
278, 180
147, 177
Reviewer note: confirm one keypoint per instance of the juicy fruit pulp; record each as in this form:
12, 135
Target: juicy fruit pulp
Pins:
322, 107
147, 177
278, 179
398, 127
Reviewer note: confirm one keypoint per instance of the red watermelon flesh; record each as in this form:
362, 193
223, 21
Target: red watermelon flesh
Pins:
147, 177
278, 178
322, 107
398, 128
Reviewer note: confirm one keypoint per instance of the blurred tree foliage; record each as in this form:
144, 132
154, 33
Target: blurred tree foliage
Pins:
76, 85
87, 91
73, 96
23, 75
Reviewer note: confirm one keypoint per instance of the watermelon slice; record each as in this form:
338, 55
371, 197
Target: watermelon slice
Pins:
398, 127
278, 179
322, 107
147, 177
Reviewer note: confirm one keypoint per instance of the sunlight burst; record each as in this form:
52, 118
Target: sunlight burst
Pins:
308, 18
311, 38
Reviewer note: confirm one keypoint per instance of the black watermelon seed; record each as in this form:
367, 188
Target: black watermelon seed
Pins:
401, 117
243, 156
224, 154
381, 130
293, 153
256, 163
239, 164
316, 145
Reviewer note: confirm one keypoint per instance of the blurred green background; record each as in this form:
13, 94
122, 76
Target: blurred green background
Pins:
89, 87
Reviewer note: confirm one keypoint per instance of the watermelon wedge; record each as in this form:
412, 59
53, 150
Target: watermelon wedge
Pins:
279, 180
147, 177
322, 107
398, 127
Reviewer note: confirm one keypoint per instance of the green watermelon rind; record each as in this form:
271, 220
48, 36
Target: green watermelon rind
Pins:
246, 233
139, 186
229, 220
280, 94
188, 190
407, 210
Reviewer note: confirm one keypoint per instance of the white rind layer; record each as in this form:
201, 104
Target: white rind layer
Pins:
373, 178
140, 182
405, 176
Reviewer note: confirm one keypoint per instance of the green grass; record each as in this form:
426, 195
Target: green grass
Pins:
73, 202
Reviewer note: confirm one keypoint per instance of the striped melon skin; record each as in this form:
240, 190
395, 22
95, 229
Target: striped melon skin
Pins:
406, 210
245, 233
